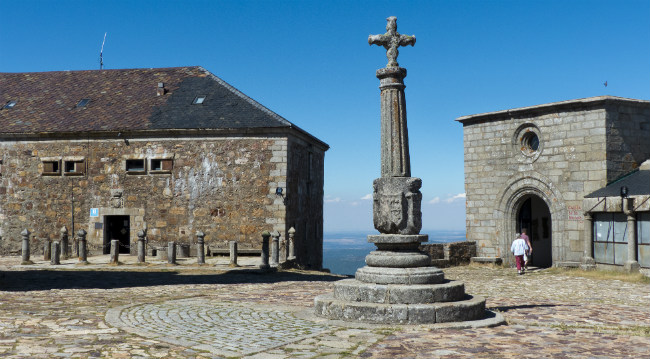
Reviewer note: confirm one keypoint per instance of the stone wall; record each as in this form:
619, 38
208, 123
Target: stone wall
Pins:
628, 134
305, 202
224, 186
572, 160
450, 254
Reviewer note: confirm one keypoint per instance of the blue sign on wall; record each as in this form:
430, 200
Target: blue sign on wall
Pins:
94, 212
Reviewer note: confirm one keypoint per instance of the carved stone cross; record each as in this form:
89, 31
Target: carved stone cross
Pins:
391, 41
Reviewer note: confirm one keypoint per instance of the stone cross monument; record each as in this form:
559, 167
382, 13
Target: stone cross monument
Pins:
398, 284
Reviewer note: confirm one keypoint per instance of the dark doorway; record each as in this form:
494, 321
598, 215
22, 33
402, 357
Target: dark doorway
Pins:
535, 216
117, 227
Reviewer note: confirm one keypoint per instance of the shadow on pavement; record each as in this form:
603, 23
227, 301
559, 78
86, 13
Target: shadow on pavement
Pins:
17, 281
527, 306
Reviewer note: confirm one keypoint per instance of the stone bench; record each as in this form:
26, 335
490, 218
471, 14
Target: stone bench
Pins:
486, 260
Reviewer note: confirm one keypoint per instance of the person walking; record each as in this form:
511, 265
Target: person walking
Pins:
519, 247
530, 247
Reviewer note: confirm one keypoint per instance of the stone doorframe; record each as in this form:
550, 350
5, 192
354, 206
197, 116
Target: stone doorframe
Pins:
96, 235
509, 201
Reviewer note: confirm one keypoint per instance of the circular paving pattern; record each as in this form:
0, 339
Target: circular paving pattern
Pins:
223, 328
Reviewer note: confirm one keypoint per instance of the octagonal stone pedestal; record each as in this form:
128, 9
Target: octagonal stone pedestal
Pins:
399, 287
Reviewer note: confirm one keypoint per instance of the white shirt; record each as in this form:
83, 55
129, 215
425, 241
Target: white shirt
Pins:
519, 247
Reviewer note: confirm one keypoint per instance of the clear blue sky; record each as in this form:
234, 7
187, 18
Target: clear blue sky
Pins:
310, 62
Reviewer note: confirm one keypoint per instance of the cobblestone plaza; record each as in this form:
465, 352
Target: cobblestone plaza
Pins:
185, 311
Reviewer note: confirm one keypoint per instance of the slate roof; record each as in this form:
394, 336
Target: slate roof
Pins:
127, 100
637, 183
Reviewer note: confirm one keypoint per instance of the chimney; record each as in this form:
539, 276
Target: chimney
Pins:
161, 89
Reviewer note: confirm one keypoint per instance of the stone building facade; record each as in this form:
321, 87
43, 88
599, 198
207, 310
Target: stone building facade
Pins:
172, 151
532, 167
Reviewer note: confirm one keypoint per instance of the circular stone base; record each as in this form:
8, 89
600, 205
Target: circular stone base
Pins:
352, 290
397, 259
472, 308
383, 275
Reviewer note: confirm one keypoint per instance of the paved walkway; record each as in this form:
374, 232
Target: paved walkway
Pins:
160, 311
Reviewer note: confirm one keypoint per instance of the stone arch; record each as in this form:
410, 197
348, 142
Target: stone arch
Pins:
517, 189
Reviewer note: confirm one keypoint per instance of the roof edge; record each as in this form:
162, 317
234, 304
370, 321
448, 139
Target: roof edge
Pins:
589, 101
240, 94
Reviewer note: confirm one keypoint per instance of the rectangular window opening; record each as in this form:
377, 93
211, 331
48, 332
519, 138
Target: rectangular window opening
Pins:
72, 168
9, 105
161, 165
198, 100
51, 168
135, 166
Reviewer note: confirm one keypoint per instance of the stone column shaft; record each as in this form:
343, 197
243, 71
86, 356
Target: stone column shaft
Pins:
265, 250
292, 248
83, 255
588, 261
275, 249
171, 253
55, 253
395, 159
233, 253
25, 247
115, 251
47, 249
141, 246
200, 247
631, 265
65, 248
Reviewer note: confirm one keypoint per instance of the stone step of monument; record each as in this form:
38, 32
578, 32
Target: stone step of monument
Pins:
396, 259
469, 309
385, 275
354, 291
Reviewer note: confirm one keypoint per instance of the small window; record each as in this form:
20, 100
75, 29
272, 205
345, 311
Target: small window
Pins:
135, 166
161, 165
74, 168
530, 142
51, 168
83, 103
198, 100
9, 105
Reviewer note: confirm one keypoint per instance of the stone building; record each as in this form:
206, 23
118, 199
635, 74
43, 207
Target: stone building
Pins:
532, 168
172, 150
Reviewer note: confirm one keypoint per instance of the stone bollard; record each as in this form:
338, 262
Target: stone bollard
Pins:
81, 240
115, 252
265, 250
171, 252
141, 251
292, 249
275, 249
56, 253
25, 250
65, 249
200, 247
47, 249
182, 250
233, 254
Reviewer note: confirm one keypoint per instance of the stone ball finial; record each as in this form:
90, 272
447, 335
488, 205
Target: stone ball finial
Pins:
81, 232
64, 230
200, 234
140, 233
292, 230
25, 233
266, 234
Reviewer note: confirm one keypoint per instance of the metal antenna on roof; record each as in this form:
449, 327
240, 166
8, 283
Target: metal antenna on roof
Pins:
101, 53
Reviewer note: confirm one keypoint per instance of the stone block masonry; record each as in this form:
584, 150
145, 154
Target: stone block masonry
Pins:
555, 154
172, 187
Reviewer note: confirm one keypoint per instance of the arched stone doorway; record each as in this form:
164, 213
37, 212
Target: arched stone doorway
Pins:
545, 201
534, 215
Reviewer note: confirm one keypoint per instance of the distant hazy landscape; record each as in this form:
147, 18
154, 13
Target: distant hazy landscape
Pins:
345, 252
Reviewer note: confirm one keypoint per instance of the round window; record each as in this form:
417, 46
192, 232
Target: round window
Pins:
530, 142
527, 142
